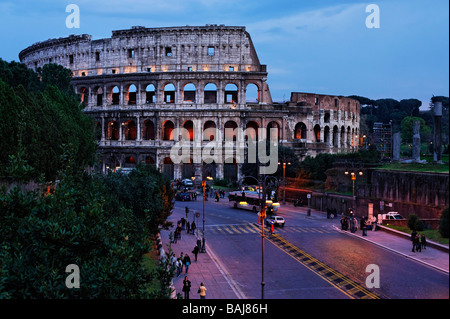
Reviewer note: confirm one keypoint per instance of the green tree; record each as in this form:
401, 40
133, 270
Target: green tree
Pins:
407, 133
39, 121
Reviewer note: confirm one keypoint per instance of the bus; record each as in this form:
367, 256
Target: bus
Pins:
250, 200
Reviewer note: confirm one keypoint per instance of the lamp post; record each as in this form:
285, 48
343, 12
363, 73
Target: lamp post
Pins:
353, 176
284, 180
203, 249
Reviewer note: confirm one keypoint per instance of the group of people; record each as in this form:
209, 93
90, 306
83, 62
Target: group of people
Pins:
419, 242
187, 289
180, 262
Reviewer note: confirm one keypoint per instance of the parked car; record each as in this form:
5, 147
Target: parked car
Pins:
276, 221
390, 215
183, 196
187, 182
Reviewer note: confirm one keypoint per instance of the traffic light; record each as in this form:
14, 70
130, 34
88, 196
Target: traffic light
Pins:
270, 210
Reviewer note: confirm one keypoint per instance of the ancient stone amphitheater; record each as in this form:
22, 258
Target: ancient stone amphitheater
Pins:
143, 83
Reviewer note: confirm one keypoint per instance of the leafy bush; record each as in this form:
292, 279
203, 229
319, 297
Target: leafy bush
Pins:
414, 223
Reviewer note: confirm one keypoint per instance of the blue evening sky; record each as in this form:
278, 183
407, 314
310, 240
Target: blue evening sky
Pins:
312, 46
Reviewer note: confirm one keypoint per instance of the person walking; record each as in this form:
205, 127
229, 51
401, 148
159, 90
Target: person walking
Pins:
202, 291
187, 262
179, 266
423, 241
418, 244
186, 287
195, 252
413, 239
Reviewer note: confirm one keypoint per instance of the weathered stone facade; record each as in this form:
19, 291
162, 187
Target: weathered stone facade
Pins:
142, 83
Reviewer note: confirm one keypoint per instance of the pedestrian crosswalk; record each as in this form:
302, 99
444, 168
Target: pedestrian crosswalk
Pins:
243, 229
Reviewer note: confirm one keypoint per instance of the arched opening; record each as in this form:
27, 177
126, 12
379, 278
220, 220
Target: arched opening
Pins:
83, 96
209, 131
188, 132
326, 135
342, 138
231, 94
150, 95
130, 130
168, 128
317, 133
273, 135
210, 93
169, 93
132, 94
149, 160
335, 136
168, 168
99, 95
230, 130
115, 95
148, 131
251, 131
113, 131
189, 93
130, 162
252, 93
300, 131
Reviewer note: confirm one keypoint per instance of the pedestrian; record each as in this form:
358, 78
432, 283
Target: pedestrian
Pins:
187, 262
186, 287
193, 226
187, 211
179, 266
413, 239
217, 196
418, 244
188, 227
202, 291
423, 241
195, 252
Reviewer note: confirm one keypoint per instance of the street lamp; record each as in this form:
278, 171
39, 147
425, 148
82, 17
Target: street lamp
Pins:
203, 249
353, 176
284, 180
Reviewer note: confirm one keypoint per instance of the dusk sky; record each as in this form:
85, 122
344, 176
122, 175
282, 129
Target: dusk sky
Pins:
311, 46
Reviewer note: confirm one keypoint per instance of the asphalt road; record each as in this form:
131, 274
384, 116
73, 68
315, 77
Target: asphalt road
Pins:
308, 258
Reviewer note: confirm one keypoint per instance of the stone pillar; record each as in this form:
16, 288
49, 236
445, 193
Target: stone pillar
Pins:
437, 142
416, 142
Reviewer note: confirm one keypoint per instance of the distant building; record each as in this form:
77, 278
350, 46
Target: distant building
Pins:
142, 83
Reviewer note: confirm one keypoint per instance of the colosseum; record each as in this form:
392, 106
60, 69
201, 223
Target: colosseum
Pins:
143, 83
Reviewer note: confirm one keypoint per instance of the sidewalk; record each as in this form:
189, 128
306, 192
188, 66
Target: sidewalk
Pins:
208, 269
430, 256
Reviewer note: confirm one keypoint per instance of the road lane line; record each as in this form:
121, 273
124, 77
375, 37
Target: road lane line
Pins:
234, 286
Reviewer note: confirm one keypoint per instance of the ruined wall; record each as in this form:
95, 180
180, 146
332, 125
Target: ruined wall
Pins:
142, 83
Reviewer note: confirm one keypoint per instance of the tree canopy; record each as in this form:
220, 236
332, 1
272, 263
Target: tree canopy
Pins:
40, 117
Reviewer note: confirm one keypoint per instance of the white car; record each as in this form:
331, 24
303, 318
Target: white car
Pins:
276, 221
187, 182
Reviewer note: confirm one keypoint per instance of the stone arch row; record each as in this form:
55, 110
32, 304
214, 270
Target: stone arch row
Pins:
343, 137
171, 91
147, 129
